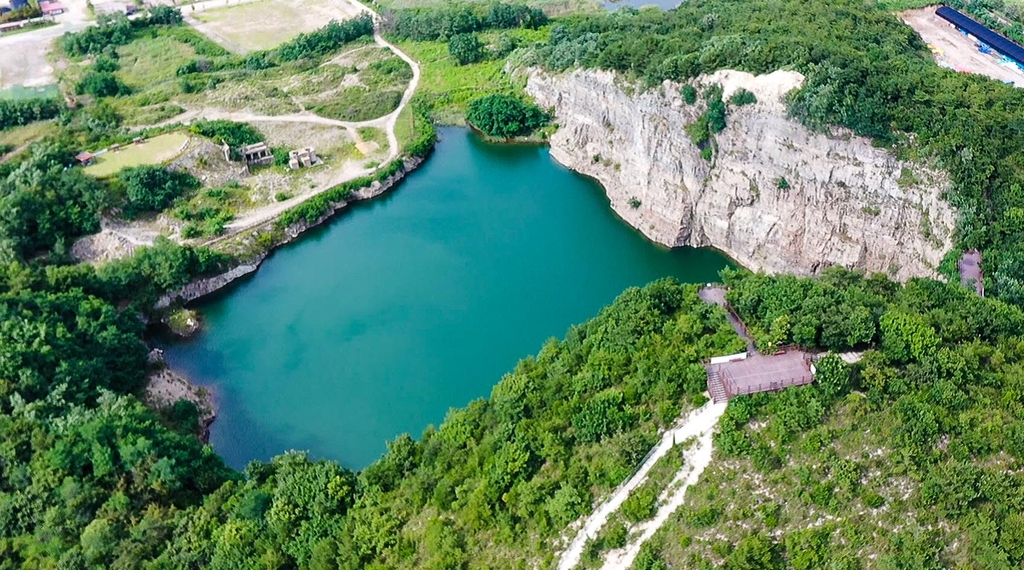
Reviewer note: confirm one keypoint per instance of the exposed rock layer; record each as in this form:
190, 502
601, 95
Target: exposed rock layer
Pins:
844, 202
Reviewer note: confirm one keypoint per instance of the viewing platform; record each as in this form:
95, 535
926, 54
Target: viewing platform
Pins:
751, 372
742, 374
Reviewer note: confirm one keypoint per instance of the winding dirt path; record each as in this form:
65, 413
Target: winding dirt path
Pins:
386, 123
695, 460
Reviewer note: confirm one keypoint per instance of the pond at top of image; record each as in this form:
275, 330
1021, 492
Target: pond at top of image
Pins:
416, 302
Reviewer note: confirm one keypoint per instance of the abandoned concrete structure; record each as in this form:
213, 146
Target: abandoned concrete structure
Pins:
303, 158
257, 154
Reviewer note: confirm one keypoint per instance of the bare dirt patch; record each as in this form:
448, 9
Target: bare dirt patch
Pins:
266, 24
24, 61
956, 51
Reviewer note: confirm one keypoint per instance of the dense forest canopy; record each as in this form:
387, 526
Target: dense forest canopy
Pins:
90, 478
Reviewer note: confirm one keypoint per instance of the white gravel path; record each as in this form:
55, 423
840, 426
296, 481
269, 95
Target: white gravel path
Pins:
694, 461
700, 424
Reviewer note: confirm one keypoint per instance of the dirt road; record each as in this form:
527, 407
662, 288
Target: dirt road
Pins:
387, 123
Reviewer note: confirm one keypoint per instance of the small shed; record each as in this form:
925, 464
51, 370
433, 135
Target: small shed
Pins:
85, 158
257, 154
50, 7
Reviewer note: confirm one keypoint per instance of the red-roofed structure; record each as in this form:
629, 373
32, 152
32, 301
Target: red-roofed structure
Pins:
50, 7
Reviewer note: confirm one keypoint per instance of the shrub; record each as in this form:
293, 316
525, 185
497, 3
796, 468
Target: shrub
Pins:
742, 97
689, 94
639, 506
505, 116
230, 132
104, 63
782, 183
16, 112
152, 188
280, 156
101, 84
326, 39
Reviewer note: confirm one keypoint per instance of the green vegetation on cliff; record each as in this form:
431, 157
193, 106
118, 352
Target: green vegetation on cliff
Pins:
865, 70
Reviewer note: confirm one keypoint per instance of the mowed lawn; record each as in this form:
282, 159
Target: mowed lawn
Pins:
154, 151
266, 24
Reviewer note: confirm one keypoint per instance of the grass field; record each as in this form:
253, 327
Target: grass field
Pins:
17, 136
154, 151
448, 87
405, 126
269, 23
148, 61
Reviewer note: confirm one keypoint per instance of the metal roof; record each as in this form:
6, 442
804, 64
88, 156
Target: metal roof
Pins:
998, 42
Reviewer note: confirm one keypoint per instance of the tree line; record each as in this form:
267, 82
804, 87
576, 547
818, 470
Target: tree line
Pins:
445, 21
112, 30
17, 112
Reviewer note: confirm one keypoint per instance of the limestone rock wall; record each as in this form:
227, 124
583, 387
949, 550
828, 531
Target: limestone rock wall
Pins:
847, 202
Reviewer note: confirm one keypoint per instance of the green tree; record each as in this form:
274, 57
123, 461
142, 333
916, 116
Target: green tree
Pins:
153, 188
832, 375
466, 49
505, 116
101, 84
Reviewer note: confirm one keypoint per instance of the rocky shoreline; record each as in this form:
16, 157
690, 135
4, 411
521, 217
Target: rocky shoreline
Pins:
205, 286
166, 385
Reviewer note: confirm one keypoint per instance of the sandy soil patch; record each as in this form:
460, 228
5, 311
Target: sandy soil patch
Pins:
324, 138
103, 246
267, 23
156, 150
367, 148
956, 51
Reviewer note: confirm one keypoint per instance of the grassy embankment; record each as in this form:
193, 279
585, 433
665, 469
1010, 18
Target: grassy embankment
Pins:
446, 88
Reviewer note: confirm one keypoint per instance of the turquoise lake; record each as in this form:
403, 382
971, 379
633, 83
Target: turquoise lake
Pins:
419, 301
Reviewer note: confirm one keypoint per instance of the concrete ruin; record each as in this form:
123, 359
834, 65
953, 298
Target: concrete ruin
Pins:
303, 158
256, 154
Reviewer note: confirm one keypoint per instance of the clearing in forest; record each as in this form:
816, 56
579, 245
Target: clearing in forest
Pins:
956, 51
267, 23
156, 150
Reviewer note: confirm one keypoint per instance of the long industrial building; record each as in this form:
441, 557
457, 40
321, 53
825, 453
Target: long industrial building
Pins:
982, 33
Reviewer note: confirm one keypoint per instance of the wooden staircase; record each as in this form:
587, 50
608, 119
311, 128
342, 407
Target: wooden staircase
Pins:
716, 387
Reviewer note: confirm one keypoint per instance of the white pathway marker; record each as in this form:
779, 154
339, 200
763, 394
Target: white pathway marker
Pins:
700, 424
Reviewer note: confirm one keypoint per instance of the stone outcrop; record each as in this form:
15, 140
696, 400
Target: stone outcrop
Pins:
774, 195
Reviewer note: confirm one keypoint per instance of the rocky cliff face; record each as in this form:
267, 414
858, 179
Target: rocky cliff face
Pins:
774, 196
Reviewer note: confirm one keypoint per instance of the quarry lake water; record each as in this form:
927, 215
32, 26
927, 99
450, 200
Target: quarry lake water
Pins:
416, 302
